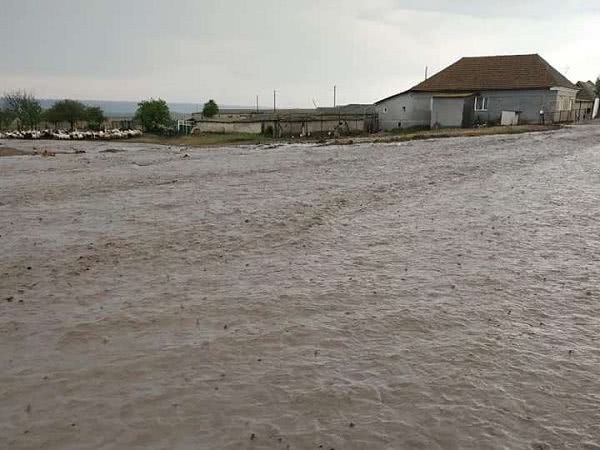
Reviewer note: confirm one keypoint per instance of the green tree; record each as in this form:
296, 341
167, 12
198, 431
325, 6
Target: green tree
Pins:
210, 109
95, 117
23, 106
50, 116
6, 118
70, 111
153, 114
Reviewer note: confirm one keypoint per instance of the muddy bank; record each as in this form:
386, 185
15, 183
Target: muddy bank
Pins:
435, 294
9, 151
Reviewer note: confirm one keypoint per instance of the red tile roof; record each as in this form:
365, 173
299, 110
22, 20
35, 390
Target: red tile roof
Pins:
495, 72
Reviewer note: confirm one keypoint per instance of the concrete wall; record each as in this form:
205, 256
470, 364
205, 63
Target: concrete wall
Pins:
315, 127
411, 109
414, 108
282, 127
529, 102
228, 127
565, 99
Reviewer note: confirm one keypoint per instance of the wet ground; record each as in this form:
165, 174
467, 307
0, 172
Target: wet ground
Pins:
438, 294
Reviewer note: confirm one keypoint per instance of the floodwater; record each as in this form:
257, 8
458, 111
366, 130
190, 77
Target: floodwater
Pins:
439, 294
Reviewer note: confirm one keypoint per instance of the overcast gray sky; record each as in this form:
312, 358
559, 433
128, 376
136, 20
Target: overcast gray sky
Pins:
232, 50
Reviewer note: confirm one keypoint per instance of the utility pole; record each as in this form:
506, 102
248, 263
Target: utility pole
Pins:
334, 95
257, 103
426, 69
274, 101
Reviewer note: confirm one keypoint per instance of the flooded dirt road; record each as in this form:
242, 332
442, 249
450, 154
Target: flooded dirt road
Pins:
439, 294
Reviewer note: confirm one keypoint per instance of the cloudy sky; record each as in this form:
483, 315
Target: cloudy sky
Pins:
233, 50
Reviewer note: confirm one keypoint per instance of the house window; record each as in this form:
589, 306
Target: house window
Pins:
481, 103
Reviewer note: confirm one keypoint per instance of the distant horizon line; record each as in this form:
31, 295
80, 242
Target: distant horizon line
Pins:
197, 105
126, 100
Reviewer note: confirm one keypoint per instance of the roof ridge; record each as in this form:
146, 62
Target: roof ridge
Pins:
501, 56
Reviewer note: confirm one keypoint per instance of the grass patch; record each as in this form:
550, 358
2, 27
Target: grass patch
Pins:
206, 139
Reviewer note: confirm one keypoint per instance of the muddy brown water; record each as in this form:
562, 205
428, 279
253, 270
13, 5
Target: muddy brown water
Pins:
438, 294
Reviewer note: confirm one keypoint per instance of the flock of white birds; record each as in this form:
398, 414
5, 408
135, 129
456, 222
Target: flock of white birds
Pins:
71, 135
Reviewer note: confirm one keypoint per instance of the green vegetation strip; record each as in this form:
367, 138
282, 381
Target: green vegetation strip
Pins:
217, 139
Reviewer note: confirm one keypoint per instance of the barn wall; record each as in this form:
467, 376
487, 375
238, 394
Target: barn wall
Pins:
229, 127
283, 127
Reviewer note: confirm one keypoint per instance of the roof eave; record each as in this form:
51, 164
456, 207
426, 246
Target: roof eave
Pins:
479, 89
392, 96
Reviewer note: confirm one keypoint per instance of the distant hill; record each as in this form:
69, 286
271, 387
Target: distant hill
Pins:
117, 108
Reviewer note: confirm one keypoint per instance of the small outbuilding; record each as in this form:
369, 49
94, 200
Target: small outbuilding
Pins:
345, 119
584, 102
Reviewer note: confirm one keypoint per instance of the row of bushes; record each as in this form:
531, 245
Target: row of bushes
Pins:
21, 106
